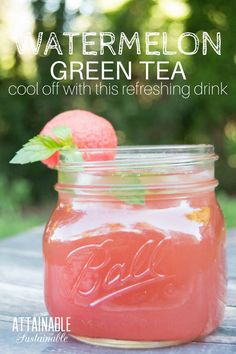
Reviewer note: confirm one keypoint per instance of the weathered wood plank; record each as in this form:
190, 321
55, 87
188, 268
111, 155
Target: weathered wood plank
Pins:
9, 345
231, 237
221, 335
26, 241
231, 291
20, 301
31, 278
22, 295
26, 269
231, 253
32, 240
30, 303
25, 251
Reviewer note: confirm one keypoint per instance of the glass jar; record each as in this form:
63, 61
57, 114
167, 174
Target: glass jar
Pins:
135, 248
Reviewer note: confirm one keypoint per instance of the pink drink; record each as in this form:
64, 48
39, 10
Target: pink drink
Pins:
148, 273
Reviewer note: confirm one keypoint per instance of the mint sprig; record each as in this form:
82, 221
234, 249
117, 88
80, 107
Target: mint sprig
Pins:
137, 198
130, 196
42, 147
63, 135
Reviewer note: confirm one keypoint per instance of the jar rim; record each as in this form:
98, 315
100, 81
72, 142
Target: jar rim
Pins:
133, 168
138, 155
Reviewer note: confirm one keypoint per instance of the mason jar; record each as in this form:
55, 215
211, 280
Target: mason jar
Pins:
135, 249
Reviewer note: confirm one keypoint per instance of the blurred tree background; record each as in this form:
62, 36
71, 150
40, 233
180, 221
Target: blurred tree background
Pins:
27, 190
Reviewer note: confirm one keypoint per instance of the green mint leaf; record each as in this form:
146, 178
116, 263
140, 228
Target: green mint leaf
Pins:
38, 148
42, 147
135, 196
63, 135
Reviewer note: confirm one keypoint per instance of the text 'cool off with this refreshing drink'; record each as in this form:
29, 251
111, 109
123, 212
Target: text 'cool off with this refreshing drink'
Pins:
134, 250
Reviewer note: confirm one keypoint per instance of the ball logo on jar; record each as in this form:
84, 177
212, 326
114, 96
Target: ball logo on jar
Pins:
96, 273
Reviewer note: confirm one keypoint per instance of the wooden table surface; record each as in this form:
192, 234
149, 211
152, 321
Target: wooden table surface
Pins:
21, 294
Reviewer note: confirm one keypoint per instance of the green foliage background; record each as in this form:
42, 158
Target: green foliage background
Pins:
137, 119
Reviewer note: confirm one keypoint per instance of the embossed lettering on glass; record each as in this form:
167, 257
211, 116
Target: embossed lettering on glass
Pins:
134, 250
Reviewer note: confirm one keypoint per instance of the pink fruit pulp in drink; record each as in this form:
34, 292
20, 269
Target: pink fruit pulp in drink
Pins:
153, 272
